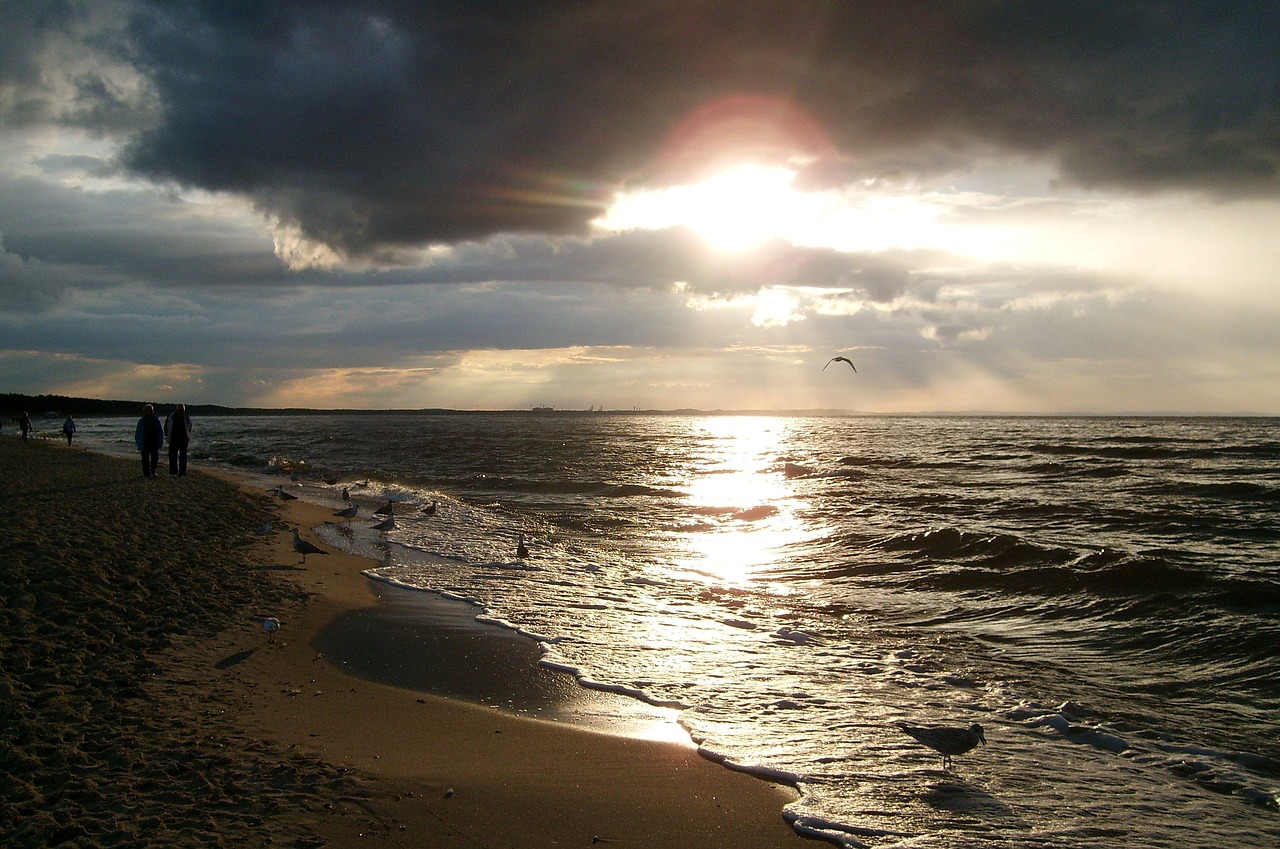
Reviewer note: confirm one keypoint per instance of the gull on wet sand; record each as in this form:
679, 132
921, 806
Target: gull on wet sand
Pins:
386, 524
388, 509
303, 547
841, 360
946, 741
347, 513
430, 509
522, 550
271, 625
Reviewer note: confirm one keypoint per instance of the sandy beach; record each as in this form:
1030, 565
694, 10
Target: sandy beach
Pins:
144, 705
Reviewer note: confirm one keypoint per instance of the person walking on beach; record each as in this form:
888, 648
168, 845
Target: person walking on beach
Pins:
24, 425
177, 429
69, 429
149, 435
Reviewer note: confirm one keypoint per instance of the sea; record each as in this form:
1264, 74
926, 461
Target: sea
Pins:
1101, 595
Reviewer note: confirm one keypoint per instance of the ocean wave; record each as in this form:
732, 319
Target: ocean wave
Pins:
563, 486
957, 544
1245, 775
957, 560
1218, 491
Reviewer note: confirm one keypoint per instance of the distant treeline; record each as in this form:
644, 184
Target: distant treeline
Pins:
39, 406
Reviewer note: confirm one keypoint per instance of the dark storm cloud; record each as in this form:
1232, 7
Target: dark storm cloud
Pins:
374, 125
92, 240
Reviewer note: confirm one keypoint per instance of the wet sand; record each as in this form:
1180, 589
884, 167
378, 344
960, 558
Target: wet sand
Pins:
142, 704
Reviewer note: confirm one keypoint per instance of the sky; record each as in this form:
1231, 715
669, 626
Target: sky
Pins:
1023, 207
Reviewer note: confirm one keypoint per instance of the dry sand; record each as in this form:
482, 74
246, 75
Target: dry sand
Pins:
142, 704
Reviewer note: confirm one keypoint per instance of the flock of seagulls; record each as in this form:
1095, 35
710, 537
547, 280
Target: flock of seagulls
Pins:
352, 511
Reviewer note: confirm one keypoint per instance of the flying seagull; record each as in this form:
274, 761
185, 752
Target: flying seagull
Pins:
841, 360
303, 547
947, 741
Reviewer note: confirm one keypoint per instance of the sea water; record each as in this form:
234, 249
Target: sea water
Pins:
1101, 594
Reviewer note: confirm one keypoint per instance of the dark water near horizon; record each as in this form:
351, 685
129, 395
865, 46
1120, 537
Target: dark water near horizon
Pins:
1101, 594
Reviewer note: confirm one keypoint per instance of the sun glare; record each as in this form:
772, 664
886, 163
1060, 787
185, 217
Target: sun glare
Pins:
734, 210
746, 500
741, 208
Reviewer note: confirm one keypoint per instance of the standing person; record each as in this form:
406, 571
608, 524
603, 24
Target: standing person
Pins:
177, 429
24, 424
69, 429
149, 436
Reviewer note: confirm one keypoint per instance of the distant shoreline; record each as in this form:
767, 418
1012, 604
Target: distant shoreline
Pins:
58, 406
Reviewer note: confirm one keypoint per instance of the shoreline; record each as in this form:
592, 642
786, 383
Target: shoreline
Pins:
312, 753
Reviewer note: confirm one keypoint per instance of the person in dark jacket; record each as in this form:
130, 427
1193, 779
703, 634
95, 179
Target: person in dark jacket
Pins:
149, 436
177, 429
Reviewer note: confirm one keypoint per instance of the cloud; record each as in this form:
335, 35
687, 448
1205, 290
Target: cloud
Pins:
395, 203
371, 127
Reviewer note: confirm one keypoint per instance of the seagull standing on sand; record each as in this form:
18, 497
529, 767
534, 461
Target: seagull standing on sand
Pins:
522, 550
388, 509
386, 524
303, 547
271, 625
348, 513
285, 496
430, 509
841, 360
947, 741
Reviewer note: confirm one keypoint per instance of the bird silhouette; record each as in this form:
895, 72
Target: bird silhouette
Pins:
841, 360
946, 741
347, 513
430, 509
386, 524
303, 547
522, 550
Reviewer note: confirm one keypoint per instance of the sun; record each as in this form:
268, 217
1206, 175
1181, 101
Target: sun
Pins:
733, 210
